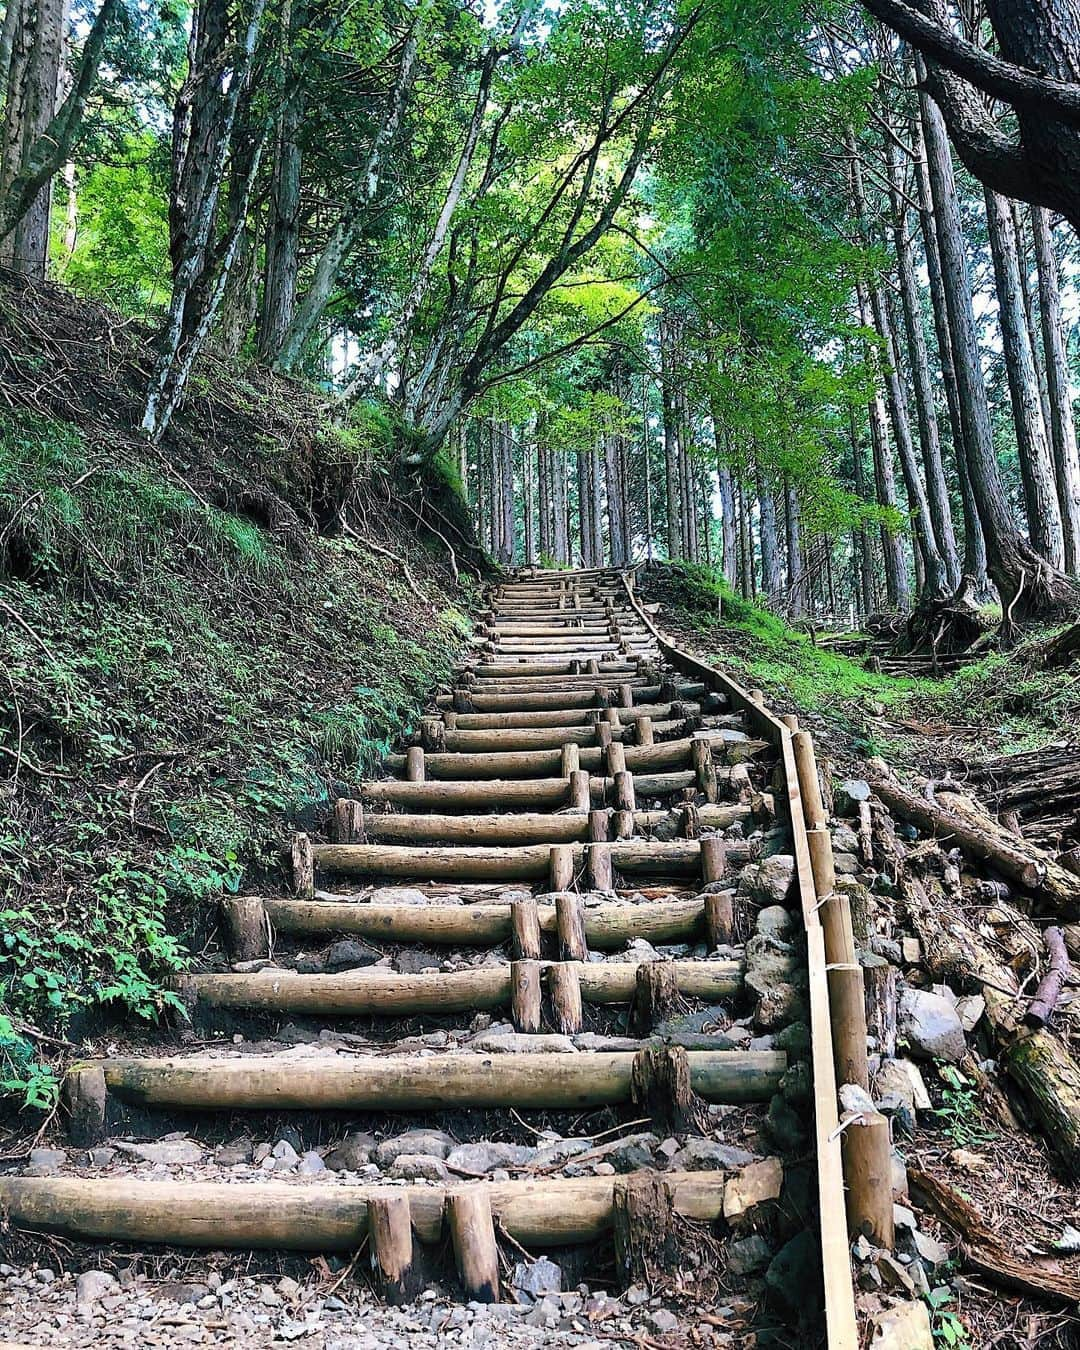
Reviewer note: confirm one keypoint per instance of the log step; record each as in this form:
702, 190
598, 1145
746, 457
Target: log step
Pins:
535, 1081
271, 1215
479, 989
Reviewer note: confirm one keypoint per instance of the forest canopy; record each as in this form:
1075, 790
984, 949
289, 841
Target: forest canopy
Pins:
737, 282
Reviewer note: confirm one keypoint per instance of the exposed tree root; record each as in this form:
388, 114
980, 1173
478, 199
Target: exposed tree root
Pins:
946, 626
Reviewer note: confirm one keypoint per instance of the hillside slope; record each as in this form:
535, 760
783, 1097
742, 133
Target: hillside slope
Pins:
198, 641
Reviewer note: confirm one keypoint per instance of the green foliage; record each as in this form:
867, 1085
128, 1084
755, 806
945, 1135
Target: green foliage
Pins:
180, 688
947, 1326
960, 1113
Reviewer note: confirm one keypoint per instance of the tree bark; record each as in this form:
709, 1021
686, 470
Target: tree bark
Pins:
771, 576
1036, 463
1062, 425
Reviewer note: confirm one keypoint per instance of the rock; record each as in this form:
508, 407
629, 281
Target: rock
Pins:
518, 1043
637, 949
45, 1162
93, 1285
903, 1327
748, 1255
663, 1321
398, 895
348, 954
794, 1040
784, 1125
970, 1010
484, 1157
769, 881
433, 1143
704, 1020
757, 1184
845, 865
779, 1005
898, 1173
180, 1291
797, 1084
352, 1153
894, 1274
234, 1153
911, 951
311, 1164
930, 1251
534, 1279
793, 1278
930, 1025
410, 962
775, 921
844, 839
849, 794
101, 1157
171, 1152
708, 1155
631, 1154
769, 960
559, 1150
419, 1167
901, 1078
284, 1154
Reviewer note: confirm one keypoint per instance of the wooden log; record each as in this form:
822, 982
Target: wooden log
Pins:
616, 759
564, 992
714, 857
645, 730
393, 1262
433, 734
519, 827
561, 867
622, 824
519, 738
84, 1098
879, 992
660, 1086
247, 935
719, 919
656, 997
1042, 1006
644, 1229
569, 759
580, 792
347, 825
563, 717
868, 1176
550, 1211
526, 996
472, 1233
598, 867
570, 924
690, 821
415, 768
479, 988
303, 866
525, 927
519, 794
599, 826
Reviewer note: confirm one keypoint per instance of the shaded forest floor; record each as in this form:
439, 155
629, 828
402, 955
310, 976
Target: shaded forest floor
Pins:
198, 643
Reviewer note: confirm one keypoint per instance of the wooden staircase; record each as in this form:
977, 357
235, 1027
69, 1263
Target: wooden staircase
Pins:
570, 798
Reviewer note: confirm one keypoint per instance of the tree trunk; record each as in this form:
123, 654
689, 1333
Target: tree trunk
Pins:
1025, 582
671, 442
794, 549
1062, 425
1036, 462
615, 500
771, 578
529, 485
864, 553
936, 489
746, 547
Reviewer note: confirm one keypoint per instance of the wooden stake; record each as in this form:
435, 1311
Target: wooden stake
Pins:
525, 927
643, 1221
571, 759
570, 926
690, 821
564, 989
472, 1231
713, 859
625, 797
701, 758
525, 995
433, 734
644, 731
244, 920
348, 821
660, 1087
391, 1241
303, 866
656, 997
561, 867
622, 824
719, 919
414, 764
599, 826
598, 867
616, 759
85, 1095
626, 696
580, 790
868, 1173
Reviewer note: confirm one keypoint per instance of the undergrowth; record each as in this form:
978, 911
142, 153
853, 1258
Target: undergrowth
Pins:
181, 686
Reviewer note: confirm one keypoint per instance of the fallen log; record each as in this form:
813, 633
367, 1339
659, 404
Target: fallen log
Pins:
1041, 1007
274, 1215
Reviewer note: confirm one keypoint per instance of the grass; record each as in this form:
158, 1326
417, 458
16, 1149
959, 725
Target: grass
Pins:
182, 687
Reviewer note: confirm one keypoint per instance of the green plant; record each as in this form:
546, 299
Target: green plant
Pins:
946, 1325
960, 1112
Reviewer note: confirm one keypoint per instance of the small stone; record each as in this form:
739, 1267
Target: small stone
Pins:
911, 951
849, 794
931, 1252
632, 1154
171, 1152
930, 1025
768, 882
844, 839
899, 1176
708, 1155
434, 1143
45, 1162
352, 1153
419, 1167
663, 1321
311, 1164
894, 1274
536, 1278
102, 1156
775, 921
483, 1157
748, 1255
970, 1010
906, 1326
409, 962
93, 1285
180, 1291
518, 1043
235, 1153
284, 1154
